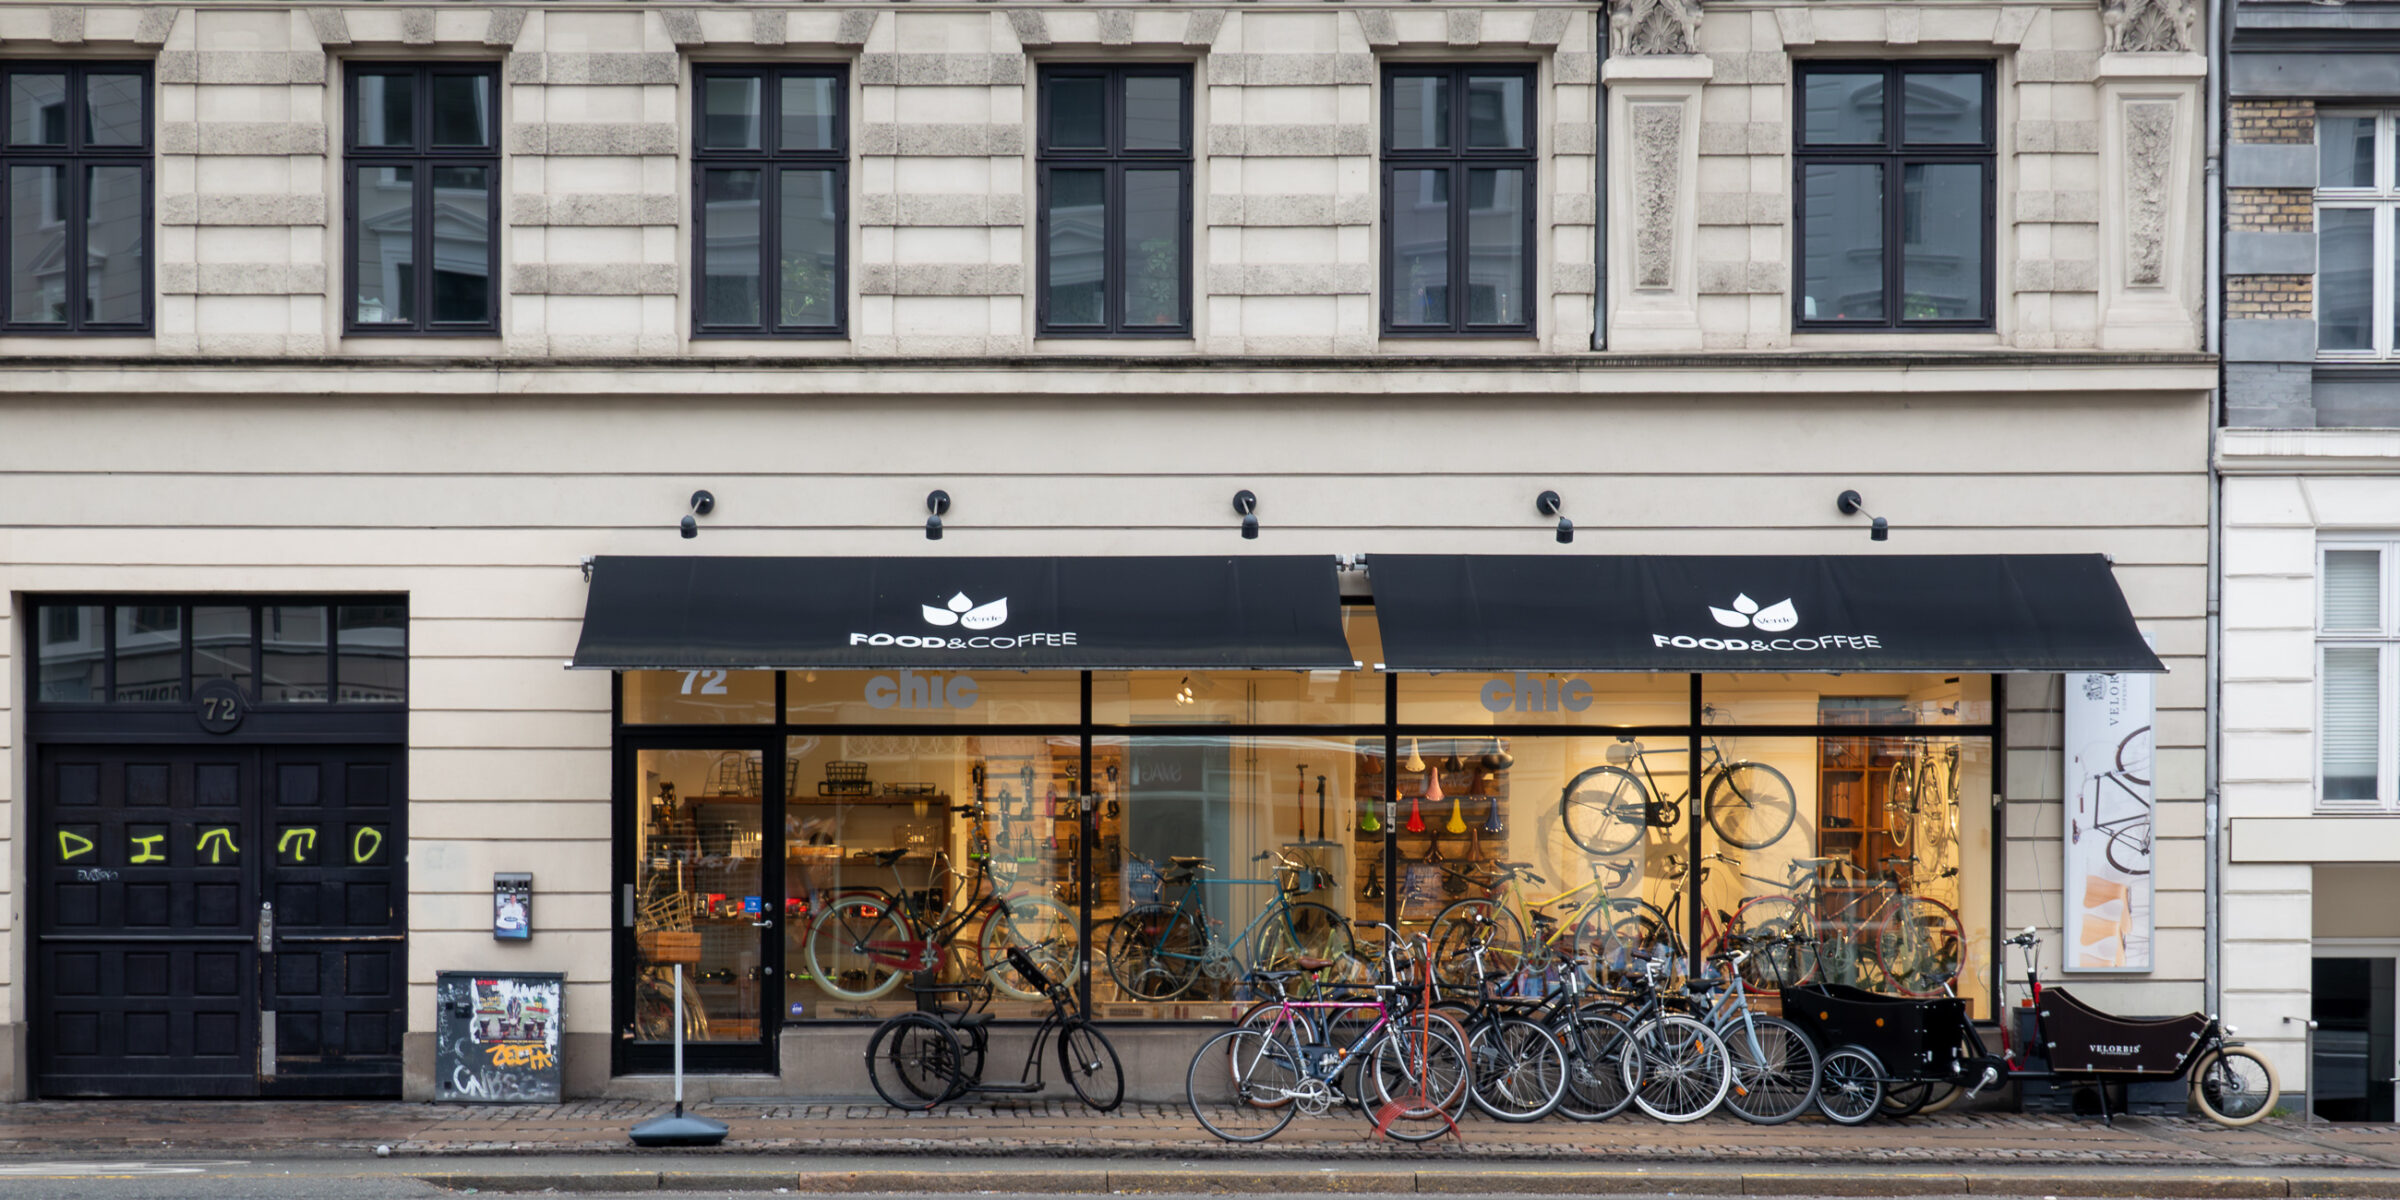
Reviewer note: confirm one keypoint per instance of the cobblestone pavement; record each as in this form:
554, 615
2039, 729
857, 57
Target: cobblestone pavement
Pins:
1155, 1132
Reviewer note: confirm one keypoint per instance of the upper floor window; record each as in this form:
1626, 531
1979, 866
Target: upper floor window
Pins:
1893, 174
1458, 189
1115, 192
77, 199
2358, 661
2357, 195
421, 184
770, 156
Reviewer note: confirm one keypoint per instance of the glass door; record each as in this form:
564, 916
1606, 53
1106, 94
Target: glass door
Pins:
701, 895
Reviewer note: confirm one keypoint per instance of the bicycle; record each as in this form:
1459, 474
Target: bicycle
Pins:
1608, 808
936, 1054
1520, 1066
2129, 832
1675, 1067
1774, 1063
1158, 950
1882, 934
861, 943
1463, 923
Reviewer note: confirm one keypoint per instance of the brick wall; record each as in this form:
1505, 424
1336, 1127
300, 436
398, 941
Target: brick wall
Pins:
2270, 210
2274, 121
2287, 297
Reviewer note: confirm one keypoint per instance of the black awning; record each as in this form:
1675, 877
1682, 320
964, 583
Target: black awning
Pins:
1781, 613
1019, 613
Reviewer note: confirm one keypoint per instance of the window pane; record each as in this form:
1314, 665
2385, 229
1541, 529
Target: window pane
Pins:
70, 648
37, 110
1843, 110
1842, 259
293, 648
221, 645
149, 654
1078, 242
2345, 278
387, 110
808, 113
113, 109
730, 113
37, 245
2346, 151
699, 870
113, 245
1420, 112
1942, 108
1496, 112
462, 244
699, 697
1941, 242
2353, 686
1496, 247
2353, 592
1078, 112
811, 247
462, 110
729, 248
1153, 247
1153, 112
372, 644
383, 276
1420, 283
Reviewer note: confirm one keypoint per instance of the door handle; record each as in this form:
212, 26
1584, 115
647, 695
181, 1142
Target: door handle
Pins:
769, 923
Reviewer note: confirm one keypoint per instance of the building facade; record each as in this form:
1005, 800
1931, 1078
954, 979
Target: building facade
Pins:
408, 336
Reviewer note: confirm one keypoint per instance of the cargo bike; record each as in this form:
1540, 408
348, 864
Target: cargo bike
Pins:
1891, 1054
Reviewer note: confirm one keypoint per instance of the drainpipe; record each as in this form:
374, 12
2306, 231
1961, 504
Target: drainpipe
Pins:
1600, 180
2211, 326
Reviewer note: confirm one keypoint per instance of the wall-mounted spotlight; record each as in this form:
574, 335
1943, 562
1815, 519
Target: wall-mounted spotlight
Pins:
1549, 505
1245, 502
1851, 504
703, 503
937, 502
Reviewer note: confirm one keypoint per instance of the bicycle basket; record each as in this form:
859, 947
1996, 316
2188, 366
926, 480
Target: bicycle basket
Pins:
1915, 1039
845, 779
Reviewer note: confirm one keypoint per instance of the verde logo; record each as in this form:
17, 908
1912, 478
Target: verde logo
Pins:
967, 613
1746, 614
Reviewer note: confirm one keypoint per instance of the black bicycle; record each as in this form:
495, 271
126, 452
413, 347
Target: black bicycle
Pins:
1608, 808
935, 1054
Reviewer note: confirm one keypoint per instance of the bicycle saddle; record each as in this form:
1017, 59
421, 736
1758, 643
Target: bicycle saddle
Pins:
1184, 860
1304, 963
885, 858
1275, 976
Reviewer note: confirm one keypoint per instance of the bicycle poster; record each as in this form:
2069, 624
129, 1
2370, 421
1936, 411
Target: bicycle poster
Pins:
2110, 721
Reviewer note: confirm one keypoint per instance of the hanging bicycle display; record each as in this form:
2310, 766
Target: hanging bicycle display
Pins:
1608, 808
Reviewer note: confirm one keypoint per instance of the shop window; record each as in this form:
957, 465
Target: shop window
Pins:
1545, 698
77, 200
1459, 182
1114, 161
1893, 174
705, 697
2358, 195
771, 200
421, 158
2358, 660
903, 697
1945, 699
1200, 696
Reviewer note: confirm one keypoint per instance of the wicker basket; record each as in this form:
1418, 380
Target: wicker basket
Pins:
664, 946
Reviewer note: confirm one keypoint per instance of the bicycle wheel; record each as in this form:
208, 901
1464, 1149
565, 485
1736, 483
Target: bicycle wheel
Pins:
1774, 1071
1849, 1085
2234, 1085
1153, 953
1905, 1099
1417, 1081
1305, 929
923, 1060
2129, 846
1520, 1070
1944, 1095
1751, 805
1595, 1048
856, 946
1645, 932
1606, 810
1089, 1061
1677, 1069
1456, 929
1919, 947
1241, 1085
1774, 967
1900, 803
1044, 929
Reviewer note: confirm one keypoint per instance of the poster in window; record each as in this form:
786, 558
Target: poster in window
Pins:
2110, 797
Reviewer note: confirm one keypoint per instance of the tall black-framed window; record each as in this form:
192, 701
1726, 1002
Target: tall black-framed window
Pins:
78, 191
1115, 191
770, 196
421, 198
1892, 192
1459, 176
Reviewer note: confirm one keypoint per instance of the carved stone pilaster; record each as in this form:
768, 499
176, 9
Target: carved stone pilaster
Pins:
2149, 26
1657, 169
1652, 27
2149, 160
1654, 168
2149, 234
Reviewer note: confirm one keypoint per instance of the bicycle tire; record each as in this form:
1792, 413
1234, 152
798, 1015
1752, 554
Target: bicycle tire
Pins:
1905, 1099
2151, 752
1595, 1046
1944, 1095
1773, 968
1762, 790
1849, 1085
1436, 1053
1520, 1070
1779, 1081
2136, 861
1152, 954
1043, 928
1597, 822
1453, 934
1900, 803
1645, 932
839, 946
1230, 1080
1920, 947
2232, 1095
1677, 1069
1089, 1061
1306, 929
920, 1053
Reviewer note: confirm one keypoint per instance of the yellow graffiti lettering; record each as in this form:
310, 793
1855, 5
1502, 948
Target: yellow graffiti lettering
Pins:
297, 843
217, 843
72, 846
362, 849
521, 1054
145, 848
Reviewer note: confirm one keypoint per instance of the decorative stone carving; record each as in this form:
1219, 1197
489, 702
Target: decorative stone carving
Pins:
1637, 27
1657, 156
2149, 25
2149, 155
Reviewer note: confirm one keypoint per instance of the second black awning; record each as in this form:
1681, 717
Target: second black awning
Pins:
680, 613
1775, 613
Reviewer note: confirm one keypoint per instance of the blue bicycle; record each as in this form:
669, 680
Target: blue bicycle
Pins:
1159, 950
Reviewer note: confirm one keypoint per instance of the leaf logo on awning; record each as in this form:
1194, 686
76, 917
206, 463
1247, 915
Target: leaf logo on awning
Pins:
962, 611
1746, 614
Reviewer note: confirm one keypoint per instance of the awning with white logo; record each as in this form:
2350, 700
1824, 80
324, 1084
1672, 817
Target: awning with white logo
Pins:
682, 613
1779, 613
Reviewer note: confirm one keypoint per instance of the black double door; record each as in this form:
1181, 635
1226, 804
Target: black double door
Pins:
219, 920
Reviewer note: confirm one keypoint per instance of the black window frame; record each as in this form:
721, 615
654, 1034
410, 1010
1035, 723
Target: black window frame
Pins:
1113, 160
1459, 158
183, 605
425, 158
77, 158
1895, 156
770, 160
